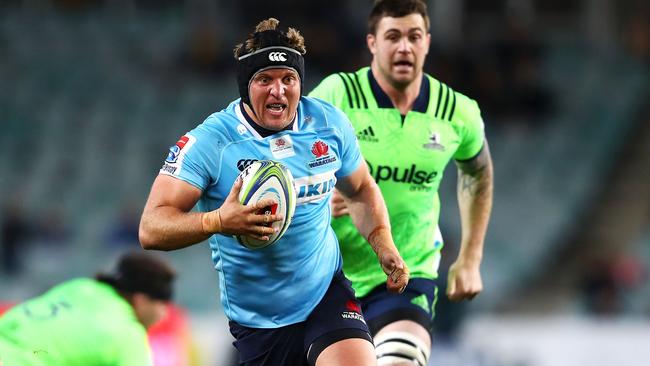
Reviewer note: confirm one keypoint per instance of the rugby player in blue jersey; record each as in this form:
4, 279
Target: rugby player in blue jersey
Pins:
288, 303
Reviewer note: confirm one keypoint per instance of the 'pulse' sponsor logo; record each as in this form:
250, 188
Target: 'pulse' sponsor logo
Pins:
409, 175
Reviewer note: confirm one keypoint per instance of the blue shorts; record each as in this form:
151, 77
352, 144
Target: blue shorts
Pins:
338, 316
416, 303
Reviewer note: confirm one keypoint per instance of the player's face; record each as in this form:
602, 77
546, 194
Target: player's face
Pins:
399, 48
274, 96
149, 311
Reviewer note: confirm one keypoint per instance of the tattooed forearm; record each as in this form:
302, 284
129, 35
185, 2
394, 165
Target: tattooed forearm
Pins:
475, 175
475, 203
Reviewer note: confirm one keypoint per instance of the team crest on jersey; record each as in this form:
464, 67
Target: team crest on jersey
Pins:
322, 155
282, 147
434, 142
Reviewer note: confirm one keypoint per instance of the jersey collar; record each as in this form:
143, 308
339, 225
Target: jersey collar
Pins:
257, 130
383, 101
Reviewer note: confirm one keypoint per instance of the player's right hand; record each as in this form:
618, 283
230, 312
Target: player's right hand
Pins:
397, 271
339, 207
237, 219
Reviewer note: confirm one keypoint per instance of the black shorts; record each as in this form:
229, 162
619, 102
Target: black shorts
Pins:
416, 303
338, 316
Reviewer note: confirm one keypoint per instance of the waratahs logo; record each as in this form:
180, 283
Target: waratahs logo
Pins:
320, 150
353, 311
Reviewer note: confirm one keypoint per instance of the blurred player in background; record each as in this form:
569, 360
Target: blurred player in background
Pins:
288, 303
87, 322
171, 340
409, 126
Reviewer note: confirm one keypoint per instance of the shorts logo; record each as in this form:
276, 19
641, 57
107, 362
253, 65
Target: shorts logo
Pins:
353, 311
175, 150
320, 150
353, 306
422, 302
277, 56
244, 163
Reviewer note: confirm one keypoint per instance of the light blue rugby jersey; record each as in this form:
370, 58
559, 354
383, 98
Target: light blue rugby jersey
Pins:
282, 283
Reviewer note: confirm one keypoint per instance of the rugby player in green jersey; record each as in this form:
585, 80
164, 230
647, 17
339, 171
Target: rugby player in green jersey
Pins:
88, 322
409, 126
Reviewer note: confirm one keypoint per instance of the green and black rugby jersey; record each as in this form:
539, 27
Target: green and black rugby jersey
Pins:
406, 156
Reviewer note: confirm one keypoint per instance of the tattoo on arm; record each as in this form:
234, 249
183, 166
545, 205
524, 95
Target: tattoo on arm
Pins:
475, 175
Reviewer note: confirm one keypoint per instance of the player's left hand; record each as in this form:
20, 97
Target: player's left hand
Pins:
397, 271
464, 280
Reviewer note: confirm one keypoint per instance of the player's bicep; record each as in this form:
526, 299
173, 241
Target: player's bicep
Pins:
168, 191
475, 175
353, 184
329, 89
477, 164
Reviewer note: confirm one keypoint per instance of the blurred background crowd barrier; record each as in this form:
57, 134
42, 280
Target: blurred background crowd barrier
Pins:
92, 93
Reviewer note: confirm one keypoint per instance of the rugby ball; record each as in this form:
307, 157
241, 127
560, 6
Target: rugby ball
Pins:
268, 179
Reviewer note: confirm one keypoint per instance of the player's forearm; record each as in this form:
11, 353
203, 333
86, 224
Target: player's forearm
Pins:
475, 187
369, 215
168, 228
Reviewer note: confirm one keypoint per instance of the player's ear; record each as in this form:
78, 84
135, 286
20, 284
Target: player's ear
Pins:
371, 41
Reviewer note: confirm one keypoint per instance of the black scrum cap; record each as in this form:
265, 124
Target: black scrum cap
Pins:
275, 51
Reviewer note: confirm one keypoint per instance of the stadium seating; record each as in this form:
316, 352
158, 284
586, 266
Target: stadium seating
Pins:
94, 102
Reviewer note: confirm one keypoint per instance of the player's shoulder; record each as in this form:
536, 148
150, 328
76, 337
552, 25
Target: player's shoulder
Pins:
322, 112
344, 78
344, 88
449, 104
221, 125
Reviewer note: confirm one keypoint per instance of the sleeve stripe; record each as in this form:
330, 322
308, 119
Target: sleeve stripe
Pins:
453, 105
363, 96
354, 89
444, 109
347, 90
440, 90
472, 157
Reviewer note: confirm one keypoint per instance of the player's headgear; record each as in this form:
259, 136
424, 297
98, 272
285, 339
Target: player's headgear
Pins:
394, 347
141, 272
274, 51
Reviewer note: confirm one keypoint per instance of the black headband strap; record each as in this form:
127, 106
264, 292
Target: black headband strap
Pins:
268, 48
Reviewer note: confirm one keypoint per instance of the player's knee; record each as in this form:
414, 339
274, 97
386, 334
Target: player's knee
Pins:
397, 348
